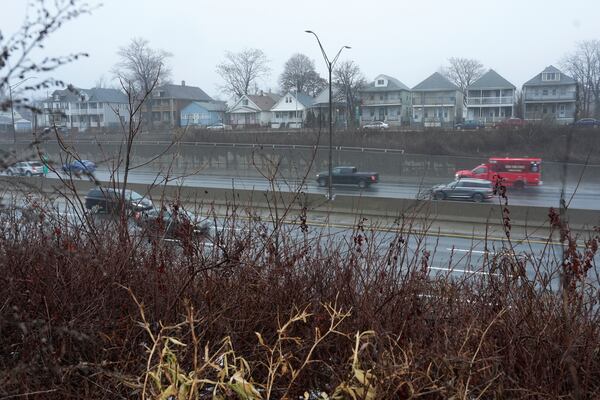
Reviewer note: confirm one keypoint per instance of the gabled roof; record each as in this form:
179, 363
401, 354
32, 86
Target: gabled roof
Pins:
264, 102
210, 106
181, 92
537, 80
393, 85
305, 99
101, 95
435, 81
491, 80
323, 97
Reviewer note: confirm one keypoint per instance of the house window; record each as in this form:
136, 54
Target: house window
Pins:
371, 97
372, 112
553, 92
536, 92
245, 102
380, 97
545, 92
550, 76
563, 90
380, 82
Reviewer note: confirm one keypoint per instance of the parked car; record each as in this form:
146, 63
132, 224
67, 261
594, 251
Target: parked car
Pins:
219, 127
476, 190
348, 176
510, 123
79, 166
101, 199
26, 168
63, 130
377, 125
469, 124
586, 123
174, 223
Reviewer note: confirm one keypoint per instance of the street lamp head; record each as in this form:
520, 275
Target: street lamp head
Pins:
309, 31
347, 47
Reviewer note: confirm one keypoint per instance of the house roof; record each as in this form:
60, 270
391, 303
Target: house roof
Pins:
491, 80
537, 80
435, 81
265, 102
95, 95
182, 92
210, 106
393, 84
323, 97
305, 99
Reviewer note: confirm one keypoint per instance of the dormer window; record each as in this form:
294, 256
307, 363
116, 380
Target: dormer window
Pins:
245, 102
550, 76
380, 82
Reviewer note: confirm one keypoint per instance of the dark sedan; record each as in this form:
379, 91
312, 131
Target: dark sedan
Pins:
174, 224
79, 167
587, 123
469, 125
475, 190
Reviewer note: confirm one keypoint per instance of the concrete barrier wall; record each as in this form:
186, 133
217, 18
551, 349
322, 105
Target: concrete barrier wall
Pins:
244, 160
370, 207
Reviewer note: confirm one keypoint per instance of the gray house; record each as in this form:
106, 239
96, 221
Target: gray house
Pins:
84, 108
491, 98
320, 109
436, 102
550, 96
385, 99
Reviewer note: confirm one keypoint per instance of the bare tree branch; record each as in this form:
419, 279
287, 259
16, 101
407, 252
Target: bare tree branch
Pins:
463, 72
240, 71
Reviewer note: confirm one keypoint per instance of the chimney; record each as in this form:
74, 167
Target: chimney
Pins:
182, 83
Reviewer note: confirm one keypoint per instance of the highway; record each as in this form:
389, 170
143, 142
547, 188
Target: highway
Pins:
586, 196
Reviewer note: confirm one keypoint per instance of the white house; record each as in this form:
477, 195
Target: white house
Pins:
253, 110
290, 110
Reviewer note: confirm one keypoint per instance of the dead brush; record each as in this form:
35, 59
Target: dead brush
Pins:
219, 373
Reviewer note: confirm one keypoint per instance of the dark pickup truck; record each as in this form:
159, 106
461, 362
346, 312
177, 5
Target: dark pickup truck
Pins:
348, 176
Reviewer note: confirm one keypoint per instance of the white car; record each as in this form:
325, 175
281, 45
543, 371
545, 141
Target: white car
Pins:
219, 127
377, 125
26, 168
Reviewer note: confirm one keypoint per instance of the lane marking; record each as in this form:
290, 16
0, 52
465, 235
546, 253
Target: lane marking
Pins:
467, 251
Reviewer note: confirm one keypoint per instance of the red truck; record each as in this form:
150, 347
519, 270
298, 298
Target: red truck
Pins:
514, 172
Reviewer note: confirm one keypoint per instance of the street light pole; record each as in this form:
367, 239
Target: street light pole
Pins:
12, 113
12, 108
330, 65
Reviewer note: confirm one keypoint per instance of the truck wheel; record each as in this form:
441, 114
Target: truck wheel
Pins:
477, 197
322, 182
439, 195
519, 185
362, 184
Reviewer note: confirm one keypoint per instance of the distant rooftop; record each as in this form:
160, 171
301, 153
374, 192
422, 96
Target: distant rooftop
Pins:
491, 80
435, 81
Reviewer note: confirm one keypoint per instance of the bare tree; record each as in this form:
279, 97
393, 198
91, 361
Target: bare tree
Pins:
240, 71
348, 80
463, 72
299, 73
44, 17
141, 68
583, 65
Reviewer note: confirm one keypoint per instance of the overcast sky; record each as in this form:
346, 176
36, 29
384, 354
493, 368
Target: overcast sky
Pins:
408, 40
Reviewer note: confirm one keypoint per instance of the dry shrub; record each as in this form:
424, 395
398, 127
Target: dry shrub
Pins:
288, 313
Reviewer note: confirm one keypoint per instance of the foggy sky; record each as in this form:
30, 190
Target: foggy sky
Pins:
408, 40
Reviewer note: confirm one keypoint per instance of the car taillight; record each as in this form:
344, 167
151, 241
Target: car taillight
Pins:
373, 178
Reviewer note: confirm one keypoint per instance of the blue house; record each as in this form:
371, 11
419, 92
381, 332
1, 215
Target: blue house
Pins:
203, 113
